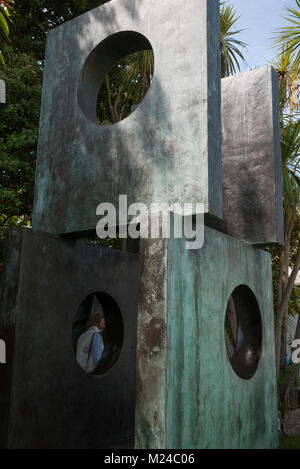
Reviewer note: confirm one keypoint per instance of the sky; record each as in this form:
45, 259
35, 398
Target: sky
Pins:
259, 19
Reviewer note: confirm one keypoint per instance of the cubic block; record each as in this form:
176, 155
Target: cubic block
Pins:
251, 155
167, 150
47, 400
189, 393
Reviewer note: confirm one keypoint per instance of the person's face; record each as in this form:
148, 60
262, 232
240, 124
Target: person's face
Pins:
101, 325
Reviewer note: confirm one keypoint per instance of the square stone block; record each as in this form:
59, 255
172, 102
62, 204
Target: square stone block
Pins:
46, 399
167, 150
251, 155
189, 393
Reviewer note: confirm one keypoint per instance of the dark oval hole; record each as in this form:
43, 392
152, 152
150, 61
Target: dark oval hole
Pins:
115, 77
243, 332
112, 335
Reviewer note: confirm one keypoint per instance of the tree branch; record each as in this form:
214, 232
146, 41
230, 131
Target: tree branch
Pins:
292, 278
108, 89
117, 100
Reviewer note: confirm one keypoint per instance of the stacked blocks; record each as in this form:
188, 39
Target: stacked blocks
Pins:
168, 382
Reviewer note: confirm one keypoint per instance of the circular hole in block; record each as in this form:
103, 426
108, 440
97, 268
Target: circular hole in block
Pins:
115, 77
87, 322
243, 332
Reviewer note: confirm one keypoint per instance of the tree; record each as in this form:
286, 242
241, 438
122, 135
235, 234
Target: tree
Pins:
287, 67
289, 36
125, 86
290, 148
128, 82
33, 18
19, 120
288, 74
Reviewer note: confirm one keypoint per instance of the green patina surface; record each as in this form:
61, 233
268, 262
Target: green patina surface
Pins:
149, 156
207, 404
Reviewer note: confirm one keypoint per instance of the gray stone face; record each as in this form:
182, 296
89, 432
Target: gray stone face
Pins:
2, 92
46, 399
168, 149
252, 189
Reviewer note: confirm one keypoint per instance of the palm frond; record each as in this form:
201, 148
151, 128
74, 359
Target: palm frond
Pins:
5, 6
288, 79
289, 36
231, 54
290, 151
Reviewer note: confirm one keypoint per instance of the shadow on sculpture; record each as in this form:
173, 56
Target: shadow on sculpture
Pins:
165, 379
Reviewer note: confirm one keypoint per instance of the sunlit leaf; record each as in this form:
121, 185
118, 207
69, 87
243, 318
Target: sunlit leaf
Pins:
3, 25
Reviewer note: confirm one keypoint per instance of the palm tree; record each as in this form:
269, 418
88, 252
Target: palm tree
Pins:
231, 55
290, 150
129, 81
287, 66
126, 85
289, 36
288, 76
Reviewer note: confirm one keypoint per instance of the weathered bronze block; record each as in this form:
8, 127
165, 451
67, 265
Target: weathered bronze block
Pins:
47, 400
189, 395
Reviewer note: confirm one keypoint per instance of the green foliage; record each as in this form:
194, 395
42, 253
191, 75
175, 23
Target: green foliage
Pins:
231, 53
289, 442
3, 24
107, 242
127, 85
19, 121
287, 65
33, 18
5, 7
290, 151
288, 379
288, 75
128, 82
294, 305
289, 36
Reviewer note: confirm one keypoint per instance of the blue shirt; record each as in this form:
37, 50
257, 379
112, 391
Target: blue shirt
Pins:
97, 348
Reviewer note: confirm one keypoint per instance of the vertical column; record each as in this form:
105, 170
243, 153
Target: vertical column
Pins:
151, 392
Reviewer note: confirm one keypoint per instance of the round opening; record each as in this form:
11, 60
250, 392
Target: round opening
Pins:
96, 354
116, 77
243, 332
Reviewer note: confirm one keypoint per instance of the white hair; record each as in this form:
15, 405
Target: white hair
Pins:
94, 317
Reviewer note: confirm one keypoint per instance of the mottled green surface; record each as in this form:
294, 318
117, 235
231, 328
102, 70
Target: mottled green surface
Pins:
150, 411
188, 395
167, 150
207, 404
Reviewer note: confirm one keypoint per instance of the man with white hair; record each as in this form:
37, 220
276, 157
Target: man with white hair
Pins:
90, 344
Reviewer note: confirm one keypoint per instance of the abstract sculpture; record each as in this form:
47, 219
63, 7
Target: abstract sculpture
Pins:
166, 381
